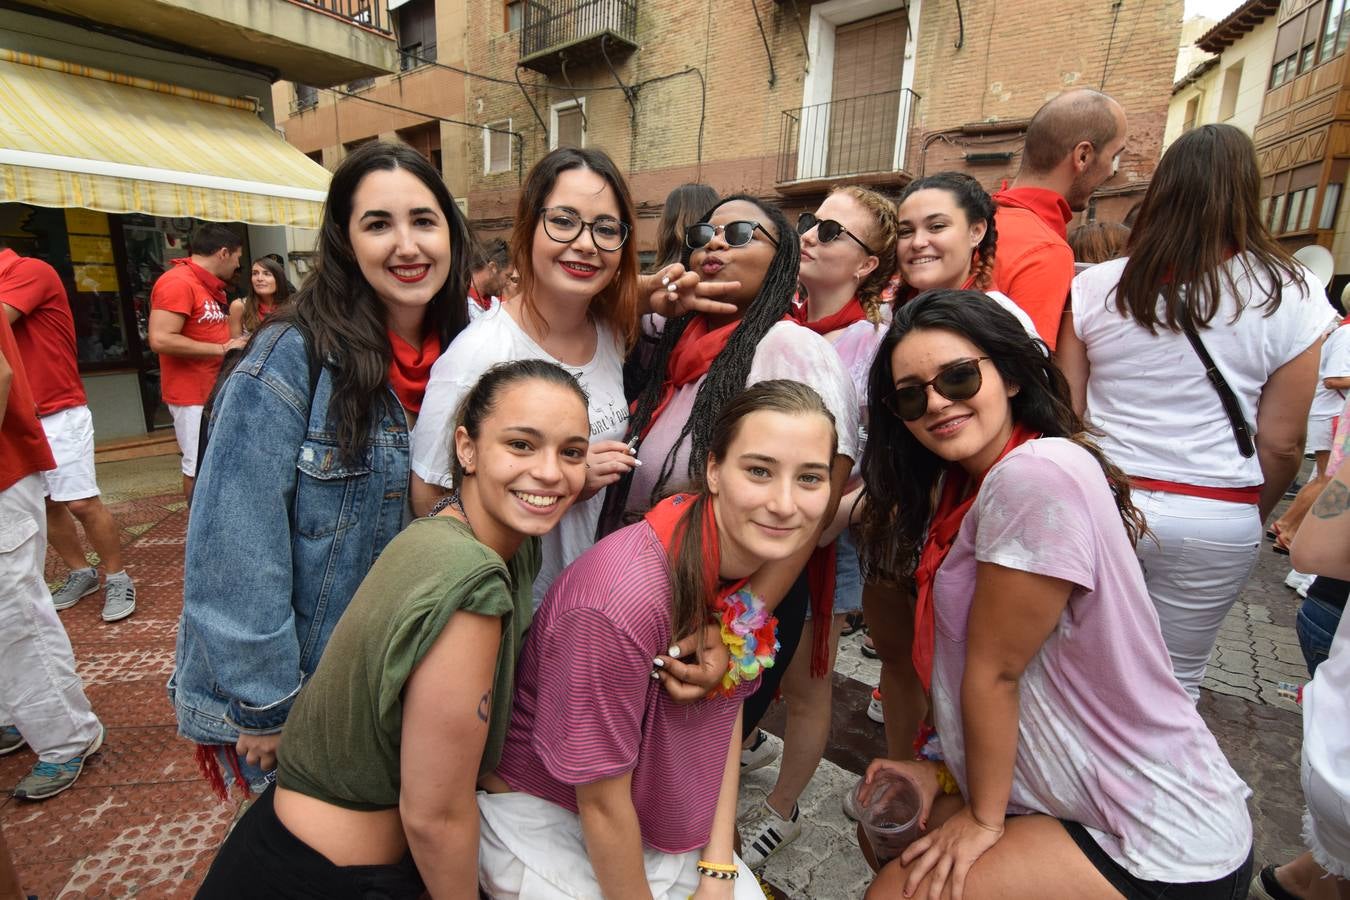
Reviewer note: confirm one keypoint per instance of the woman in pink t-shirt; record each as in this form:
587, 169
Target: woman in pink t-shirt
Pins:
1075, 762
605, 786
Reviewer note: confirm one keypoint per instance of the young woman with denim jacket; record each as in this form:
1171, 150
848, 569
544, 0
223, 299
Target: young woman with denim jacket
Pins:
303, 483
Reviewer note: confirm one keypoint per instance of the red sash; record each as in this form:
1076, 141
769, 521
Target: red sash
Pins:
410, 368
1250, 494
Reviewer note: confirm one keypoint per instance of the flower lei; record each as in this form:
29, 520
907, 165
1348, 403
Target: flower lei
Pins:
750, 633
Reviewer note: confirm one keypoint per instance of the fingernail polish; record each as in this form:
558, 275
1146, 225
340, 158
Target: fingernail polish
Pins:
637, 462
674, 651
659, 663
665, 280
655, 675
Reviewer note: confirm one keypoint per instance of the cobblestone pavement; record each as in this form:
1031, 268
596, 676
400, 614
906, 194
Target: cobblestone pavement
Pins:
140, 822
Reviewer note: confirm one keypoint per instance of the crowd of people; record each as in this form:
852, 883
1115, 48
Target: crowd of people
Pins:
499, 552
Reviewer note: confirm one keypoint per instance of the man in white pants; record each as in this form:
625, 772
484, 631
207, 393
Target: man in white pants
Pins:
35, 304
42, 701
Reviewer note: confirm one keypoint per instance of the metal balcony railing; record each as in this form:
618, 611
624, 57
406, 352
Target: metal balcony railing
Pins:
855, 136
576, 26
370, 13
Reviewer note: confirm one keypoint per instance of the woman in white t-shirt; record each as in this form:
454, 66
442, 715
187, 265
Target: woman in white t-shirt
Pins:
1075, 765
1199, 252
577, 307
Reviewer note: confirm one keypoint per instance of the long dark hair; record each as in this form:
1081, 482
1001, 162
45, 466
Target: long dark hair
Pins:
683, 207
978, 206
901, 475
728, 373
616, 305
340, 310
482, 398
693, 585
252, 315
1202, 206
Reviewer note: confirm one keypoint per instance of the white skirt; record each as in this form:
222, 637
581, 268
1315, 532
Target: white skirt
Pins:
531, 849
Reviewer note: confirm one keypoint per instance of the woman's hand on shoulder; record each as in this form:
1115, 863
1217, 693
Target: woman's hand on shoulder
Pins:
948, 853
673, 291
692, 680
606, 463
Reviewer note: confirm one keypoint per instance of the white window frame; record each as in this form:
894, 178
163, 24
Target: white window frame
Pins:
504, 125
819, 82
554, 109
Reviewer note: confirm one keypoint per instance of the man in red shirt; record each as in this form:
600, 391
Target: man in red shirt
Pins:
190, 330
42, 702
35, 304
1073, 144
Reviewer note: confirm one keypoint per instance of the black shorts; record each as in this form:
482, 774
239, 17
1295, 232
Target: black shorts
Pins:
1232, 886
261, 858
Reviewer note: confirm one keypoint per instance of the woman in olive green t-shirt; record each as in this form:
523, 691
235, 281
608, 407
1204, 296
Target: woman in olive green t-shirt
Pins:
382, 752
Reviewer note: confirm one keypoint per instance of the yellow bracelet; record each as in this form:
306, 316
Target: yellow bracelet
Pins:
717, 867
945, 780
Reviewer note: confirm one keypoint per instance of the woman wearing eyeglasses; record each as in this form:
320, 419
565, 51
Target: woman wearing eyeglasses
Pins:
847, 257
1075, 764
577, 307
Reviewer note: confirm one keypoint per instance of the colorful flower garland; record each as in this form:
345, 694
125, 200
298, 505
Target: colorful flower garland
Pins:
751, 636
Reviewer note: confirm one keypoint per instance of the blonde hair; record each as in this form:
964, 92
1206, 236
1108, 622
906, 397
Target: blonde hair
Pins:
881, 237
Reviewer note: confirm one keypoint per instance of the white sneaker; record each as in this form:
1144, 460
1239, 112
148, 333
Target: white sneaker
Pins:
759, 754
770, 833
875, 711
1298, 581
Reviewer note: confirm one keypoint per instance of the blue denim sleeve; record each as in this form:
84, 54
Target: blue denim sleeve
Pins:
239, 578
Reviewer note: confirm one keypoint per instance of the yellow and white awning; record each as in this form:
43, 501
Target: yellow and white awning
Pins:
73, 136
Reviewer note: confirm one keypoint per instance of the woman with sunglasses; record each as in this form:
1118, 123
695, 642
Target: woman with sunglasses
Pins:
847, 257
1199, 256
1075, 764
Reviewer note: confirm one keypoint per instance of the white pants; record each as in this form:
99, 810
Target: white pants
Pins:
531, 849
187, 427
1195, 565
40, 692
1326, 758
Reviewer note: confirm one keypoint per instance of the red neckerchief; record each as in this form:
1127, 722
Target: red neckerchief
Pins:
942, 530
484, 303
410, 368
1049, 207
907, 293
666, 520
690, 360
214, 285
851, 312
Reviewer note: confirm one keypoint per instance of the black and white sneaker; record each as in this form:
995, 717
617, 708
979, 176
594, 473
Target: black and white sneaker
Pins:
769, 834
759, 754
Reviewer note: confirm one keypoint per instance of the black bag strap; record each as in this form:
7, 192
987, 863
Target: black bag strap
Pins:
1242, 433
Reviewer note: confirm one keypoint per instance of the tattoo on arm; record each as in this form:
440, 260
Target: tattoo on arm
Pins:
1333, 501
484, 705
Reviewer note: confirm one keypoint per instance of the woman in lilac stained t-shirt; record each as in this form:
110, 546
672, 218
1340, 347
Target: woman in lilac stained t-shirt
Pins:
1074, 762
606, 787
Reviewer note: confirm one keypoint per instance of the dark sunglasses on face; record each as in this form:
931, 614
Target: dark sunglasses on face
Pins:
736, 234
829, 230
959, 381
565, 225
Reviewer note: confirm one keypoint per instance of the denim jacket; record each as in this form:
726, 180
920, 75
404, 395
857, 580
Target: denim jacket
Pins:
282, 531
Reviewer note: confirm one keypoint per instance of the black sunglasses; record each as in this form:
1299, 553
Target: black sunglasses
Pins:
959, 381
829, 230
736, 234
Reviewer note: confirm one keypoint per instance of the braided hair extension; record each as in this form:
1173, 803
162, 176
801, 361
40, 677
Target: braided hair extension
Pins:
726, 377
978, 206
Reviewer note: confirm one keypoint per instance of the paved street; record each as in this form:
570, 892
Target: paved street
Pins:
141, 823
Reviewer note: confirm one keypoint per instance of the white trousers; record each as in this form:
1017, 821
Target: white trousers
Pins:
1196, 563
1326, 758
531, 849
40, 692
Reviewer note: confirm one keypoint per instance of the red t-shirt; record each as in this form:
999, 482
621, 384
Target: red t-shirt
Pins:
23, 444
45, 331
193, 292
1033, 263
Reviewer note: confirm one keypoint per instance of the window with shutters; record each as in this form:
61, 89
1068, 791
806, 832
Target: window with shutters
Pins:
514, 15
415, 23
497, 147
1335, 29
568, 121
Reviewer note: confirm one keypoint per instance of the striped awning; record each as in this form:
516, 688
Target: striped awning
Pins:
74, 136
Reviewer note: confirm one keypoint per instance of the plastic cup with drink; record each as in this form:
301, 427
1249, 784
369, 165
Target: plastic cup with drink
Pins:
890, 814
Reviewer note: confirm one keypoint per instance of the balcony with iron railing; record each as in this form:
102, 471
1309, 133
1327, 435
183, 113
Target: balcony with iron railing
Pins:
854, 139
558, 32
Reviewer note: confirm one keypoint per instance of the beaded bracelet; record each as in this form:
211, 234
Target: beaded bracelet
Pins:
717, 870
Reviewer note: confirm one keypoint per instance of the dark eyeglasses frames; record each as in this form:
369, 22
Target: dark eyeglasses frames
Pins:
829, 230
959, 381
564, 226
736, 234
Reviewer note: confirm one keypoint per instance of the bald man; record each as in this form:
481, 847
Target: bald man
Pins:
1073, 144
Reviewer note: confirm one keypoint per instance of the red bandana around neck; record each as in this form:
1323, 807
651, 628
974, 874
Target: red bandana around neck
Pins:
483, 303
410, 368
1049, 207
665, 518
691, 359
943, 527
851, 312
907, 293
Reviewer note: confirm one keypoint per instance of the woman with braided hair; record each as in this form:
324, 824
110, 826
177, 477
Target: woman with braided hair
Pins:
705, 359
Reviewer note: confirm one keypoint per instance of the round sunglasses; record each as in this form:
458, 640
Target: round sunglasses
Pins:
959, 381
736, 234
829, 230
564, 226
